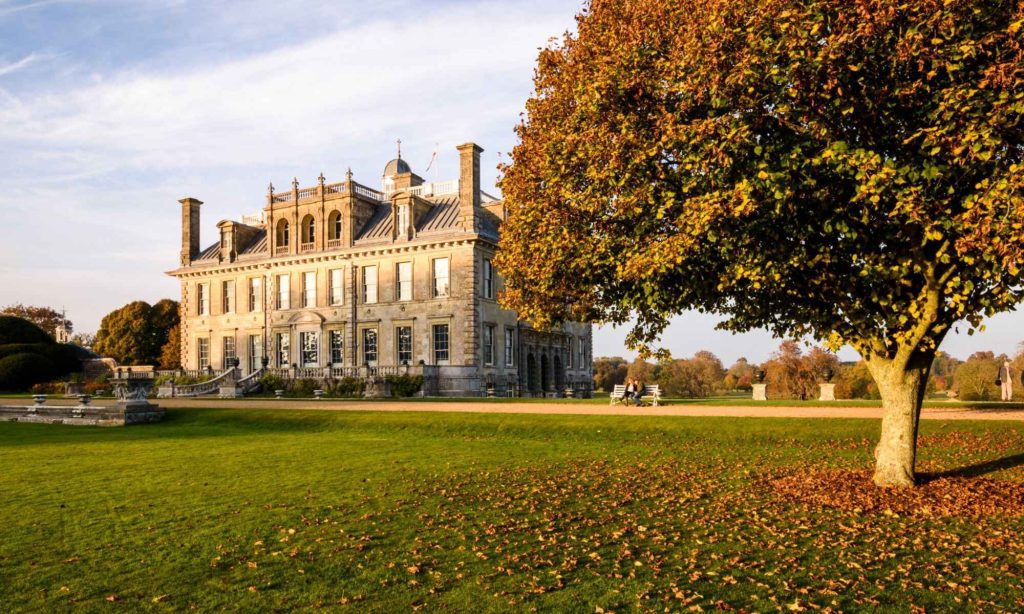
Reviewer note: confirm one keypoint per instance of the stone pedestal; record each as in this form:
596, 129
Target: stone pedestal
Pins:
760, 392
828, 392
377, 388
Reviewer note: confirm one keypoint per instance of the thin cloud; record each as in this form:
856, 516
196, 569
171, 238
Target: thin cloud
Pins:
6, 69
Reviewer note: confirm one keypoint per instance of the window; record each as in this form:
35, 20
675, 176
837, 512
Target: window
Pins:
488, 279
403, 335
228, 288
402, 221
284, 300
255, 352
282, 233
337, 287
440, 343
334, 226
488, 344
440, 277
255, 296
283, 351
582, 354
203, 299
203, 347
309, 345
403, 281
309, 289
337, 348
510, 348
369, 284
369, 346
308, 229
229, 352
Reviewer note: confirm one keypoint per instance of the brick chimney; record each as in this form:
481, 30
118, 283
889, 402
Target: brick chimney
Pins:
469, 184
189, 229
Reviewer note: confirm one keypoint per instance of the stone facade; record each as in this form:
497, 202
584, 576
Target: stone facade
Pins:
344, 280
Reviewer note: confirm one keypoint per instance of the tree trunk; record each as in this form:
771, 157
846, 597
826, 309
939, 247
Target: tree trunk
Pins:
902, 391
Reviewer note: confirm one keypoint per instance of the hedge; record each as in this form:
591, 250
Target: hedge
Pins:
19, 371
19, 330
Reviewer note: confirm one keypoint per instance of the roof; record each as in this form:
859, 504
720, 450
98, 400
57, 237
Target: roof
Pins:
444, 215
379, 225
395, 167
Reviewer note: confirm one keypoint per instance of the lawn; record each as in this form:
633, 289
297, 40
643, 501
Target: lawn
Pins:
260, 510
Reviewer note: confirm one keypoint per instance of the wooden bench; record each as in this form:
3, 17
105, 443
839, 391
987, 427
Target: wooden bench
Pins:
651, 392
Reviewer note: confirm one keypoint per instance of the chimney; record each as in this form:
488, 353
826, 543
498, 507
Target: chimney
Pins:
189, 230
469, 184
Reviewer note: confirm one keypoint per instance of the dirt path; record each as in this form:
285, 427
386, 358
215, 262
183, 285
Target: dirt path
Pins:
929, 413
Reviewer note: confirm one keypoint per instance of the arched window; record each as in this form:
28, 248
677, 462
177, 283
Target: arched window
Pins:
334, 227
308, 230
282, 233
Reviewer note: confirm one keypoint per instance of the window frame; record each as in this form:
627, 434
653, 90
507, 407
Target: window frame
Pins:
488, 279
309, 290
434, 346
399, 282
398, 344
435, 278
284, 291
227, 288
367, 286
336, 294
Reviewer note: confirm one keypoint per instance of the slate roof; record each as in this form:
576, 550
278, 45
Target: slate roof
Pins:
442, 217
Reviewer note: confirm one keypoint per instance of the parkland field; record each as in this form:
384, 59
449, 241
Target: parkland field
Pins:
272, 509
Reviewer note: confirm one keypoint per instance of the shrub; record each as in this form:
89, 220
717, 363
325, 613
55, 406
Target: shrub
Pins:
405, 385
304, 387
18, 330
64, 357
346, 387
270, 382
47, 388
19, 371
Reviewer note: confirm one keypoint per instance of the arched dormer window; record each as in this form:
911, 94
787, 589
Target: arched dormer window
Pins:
308, 237
334, 229
282, 236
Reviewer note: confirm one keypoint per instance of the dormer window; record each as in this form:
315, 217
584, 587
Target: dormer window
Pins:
402, 221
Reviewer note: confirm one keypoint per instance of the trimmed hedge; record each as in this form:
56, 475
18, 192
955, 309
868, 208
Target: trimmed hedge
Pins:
63, 356
19, 371
405, 385
19, 330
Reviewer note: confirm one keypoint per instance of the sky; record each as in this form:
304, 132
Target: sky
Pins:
113, 110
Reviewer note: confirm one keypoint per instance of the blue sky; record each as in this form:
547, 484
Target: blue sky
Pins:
112, 110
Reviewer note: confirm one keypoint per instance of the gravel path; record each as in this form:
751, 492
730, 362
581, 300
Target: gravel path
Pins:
929, 413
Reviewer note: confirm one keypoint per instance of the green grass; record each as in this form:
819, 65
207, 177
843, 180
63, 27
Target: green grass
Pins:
257, 510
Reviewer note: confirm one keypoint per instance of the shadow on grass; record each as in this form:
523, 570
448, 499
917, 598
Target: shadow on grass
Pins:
978, 469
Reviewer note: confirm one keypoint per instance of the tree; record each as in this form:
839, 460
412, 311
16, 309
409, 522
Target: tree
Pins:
642, 371
609, 372
742, 373
136, 333
975, 378
818, 168
44, 317
85, 340
696, 377
170, 353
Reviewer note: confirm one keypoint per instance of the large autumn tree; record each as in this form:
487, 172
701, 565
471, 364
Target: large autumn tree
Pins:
137, 333
845, 170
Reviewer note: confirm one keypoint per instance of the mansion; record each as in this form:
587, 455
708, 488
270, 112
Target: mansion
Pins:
343, 280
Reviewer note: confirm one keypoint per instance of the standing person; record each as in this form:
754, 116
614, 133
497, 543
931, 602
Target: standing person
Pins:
1006, 380
630, 389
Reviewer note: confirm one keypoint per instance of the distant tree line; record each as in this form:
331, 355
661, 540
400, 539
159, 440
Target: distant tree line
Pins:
792, 373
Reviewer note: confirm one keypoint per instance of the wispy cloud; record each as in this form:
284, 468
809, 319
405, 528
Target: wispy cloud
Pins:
6, 69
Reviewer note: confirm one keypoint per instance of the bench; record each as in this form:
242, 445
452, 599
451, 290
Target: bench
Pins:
651, 391
617, 394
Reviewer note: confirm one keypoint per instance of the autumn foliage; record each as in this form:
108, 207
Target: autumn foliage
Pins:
845, 171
